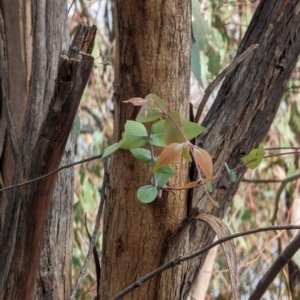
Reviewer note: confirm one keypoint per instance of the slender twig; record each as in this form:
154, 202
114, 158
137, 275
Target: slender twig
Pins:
284, 257
281, 154
282, 148
220, 77
284, 182
95, 232
100, 156
261, 180
96, 260
94, 116
53, 172
179, 259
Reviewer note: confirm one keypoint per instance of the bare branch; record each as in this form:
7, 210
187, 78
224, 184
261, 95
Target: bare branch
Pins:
247, 180
179, 259
277, 266
95, 232
52, 173
284, 182
220, 77
95, 117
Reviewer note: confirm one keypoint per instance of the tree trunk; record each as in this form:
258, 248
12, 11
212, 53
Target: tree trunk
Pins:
54, 278
40, 92
237, 122
152, 56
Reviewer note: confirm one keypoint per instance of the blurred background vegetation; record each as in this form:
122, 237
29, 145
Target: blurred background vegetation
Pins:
218, 28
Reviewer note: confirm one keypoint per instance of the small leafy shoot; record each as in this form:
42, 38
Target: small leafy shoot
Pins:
147, 193
254, 158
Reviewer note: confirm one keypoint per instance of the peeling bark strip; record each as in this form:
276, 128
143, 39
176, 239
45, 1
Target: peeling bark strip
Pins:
24, 210
238, 121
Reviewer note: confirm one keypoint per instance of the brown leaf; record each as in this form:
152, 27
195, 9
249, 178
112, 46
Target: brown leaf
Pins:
221, 230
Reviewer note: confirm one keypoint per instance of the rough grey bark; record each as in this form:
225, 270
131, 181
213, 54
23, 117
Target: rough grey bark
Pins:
238, 120
32, 36
54, 277
40, 93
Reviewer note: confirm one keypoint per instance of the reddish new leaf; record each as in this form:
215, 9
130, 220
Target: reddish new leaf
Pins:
168, 155
204, 161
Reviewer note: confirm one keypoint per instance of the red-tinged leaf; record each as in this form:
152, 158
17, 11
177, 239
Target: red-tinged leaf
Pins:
204, 161
136, 101
168, 155
186, 154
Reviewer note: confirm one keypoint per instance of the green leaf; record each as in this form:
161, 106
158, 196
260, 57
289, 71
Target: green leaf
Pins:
254, 158
141, 154
172, 134
134, 136
147, 193
167, 170
160, 179
150, 111
186, 154
112, 148
191, 129
157, 134
232, 174
209, 187
203, 33
205, 38
156, 99
214, 65
195, 61
296, 258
